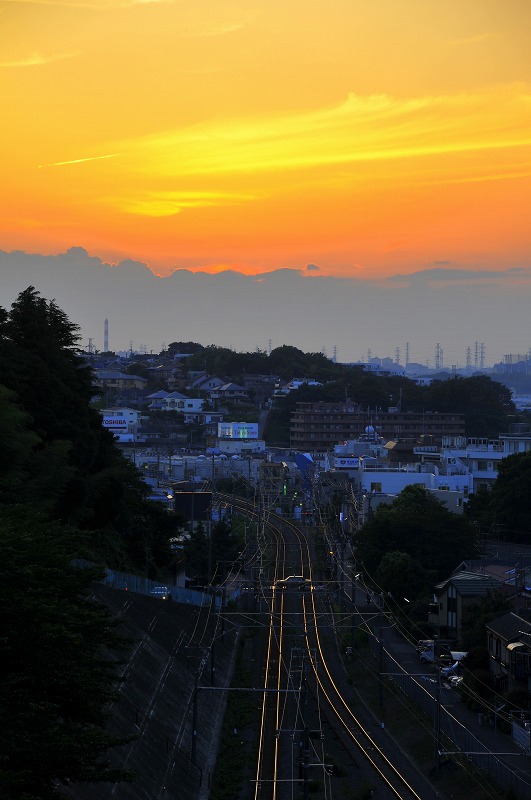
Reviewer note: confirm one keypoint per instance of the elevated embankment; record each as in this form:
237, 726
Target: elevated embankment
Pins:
170, 655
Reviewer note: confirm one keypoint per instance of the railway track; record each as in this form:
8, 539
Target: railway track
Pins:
299, 660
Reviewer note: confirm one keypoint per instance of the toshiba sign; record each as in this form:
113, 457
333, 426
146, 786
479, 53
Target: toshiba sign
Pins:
115, 423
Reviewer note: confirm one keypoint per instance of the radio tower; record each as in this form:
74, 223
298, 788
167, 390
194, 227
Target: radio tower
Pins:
407, 353
468, 359
106, 336
397, 356
438, 356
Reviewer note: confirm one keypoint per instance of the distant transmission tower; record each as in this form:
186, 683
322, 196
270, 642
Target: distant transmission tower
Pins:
468, 359
397, 356
438, 356
106, 336
323, 351
476, 355
269, 347
334, 354
369, 354
90, 345
407, 353
482, 356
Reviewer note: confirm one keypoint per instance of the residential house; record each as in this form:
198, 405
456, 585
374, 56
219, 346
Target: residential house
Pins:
203, 382
282, 388
118, 381
175, 401
455, 595
232, 392
165, 373
509, 645
156, 400
260, 387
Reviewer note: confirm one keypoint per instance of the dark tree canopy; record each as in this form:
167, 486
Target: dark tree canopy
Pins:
54, 679
510, 497
65, 491
416, 524
486, 404
73, 470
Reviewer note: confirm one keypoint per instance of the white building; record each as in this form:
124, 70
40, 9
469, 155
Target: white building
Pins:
185, 405
123, 422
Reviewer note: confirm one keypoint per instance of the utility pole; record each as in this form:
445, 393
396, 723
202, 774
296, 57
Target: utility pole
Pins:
437, 720
306, 762
380, 652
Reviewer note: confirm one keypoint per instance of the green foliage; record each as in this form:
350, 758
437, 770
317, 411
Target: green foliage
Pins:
479, 614
486, 404
54, 679
510, 499
416, 524
400, 575
61, 459
65, 491
208, 558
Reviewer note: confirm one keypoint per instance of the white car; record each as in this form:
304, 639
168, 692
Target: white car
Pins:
453, 669
292, 581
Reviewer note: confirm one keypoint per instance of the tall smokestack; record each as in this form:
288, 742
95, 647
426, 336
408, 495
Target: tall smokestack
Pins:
106, 336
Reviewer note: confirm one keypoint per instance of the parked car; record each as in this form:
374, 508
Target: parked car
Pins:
424, 644
160, 591
453, 669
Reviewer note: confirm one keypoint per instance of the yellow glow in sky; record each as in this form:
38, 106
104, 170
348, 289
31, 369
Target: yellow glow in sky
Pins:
367, 138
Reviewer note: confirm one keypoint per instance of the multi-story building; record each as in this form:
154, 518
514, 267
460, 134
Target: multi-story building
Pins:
317, 427
483, 456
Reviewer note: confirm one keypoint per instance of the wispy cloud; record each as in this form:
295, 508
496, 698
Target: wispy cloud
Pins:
91, 4
477, 38
440, 276
165, 204
38, 59
77, 161
362, 129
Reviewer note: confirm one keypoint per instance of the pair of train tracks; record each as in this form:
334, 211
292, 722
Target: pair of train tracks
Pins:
300, 662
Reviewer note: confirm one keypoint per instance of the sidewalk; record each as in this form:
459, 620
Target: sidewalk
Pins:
492, 750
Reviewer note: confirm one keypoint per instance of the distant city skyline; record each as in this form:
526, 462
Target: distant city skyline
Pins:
372, 139
428, 313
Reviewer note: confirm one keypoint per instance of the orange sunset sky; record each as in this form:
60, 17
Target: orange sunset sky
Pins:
368, 137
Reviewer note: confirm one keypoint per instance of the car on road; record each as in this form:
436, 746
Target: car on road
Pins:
292, 582
453, 669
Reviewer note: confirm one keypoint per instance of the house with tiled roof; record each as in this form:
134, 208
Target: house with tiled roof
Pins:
203, 382
175, 401
156, 400
112, 379
454, 595
230, 391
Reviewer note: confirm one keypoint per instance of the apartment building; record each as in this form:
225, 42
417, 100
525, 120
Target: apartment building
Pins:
317, 427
